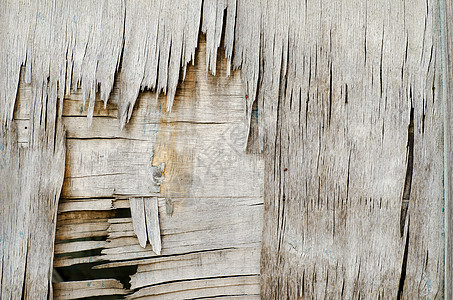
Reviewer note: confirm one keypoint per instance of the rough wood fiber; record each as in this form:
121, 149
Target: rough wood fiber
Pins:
240, 287
210, 200
145, 218
353, 185
79, 44
446, 31
350, 121
31, 180
89, 288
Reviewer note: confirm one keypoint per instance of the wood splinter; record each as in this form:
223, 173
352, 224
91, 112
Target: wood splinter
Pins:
145, 219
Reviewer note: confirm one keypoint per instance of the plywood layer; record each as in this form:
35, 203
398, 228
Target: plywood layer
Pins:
209, 199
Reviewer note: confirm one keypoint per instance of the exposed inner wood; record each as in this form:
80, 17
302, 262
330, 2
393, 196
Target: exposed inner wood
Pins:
210, 199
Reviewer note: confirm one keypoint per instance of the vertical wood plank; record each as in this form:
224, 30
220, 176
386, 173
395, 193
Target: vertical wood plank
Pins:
152, 223
139, 219
446, 36
31, 180
353, 185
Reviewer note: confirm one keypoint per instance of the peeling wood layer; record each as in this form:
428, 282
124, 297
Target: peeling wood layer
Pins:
340, 86
92, 40
145, 218
210, 202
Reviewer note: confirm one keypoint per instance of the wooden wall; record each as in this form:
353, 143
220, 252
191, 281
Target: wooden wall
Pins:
354, 183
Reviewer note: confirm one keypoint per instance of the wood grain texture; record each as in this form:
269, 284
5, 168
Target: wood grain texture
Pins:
240, 287
139, 220
353, 178
446, 36
145, 219
209, 203
31, 178
88, 288
354, 122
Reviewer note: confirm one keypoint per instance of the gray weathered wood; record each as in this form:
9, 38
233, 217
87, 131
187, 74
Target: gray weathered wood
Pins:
145, 218
152, 223
88, 288
353, 141
446, 36
349, 101
139, 220
31, 178
210, 200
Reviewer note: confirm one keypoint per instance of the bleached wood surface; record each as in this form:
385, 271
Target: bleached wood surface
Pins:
446, 36
30, 183
145, 219
354, 123
89, 288
353, 177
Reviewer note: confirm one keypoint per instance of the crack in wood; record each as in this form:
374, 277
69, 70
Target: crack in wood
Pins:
404, 265
409, 172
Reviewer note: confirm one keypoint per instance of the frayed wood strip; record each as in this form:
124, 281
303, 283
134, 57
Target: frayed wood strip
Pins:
145, 219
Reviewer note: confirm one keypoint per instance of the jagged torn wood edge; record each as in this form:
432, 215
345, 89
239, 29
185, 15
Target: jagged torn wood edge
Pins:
72, 45
145, 219
69, 44
145, 214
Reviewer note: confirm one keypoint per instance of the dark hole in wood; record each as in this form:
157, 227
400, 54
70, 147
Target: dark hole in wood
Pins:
409, 171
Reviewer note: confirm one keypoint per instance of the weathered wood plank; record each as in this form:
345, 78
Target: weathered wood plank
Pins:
31, 180
208, 264
211, 194
139, 220
85, 205
76, 217
104, 168
152, 223
88, 288
243, 287
341, 85
62, 261
446, 37
78, 246
145, 219
67, 45
353, 185
81, 230
193, 226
